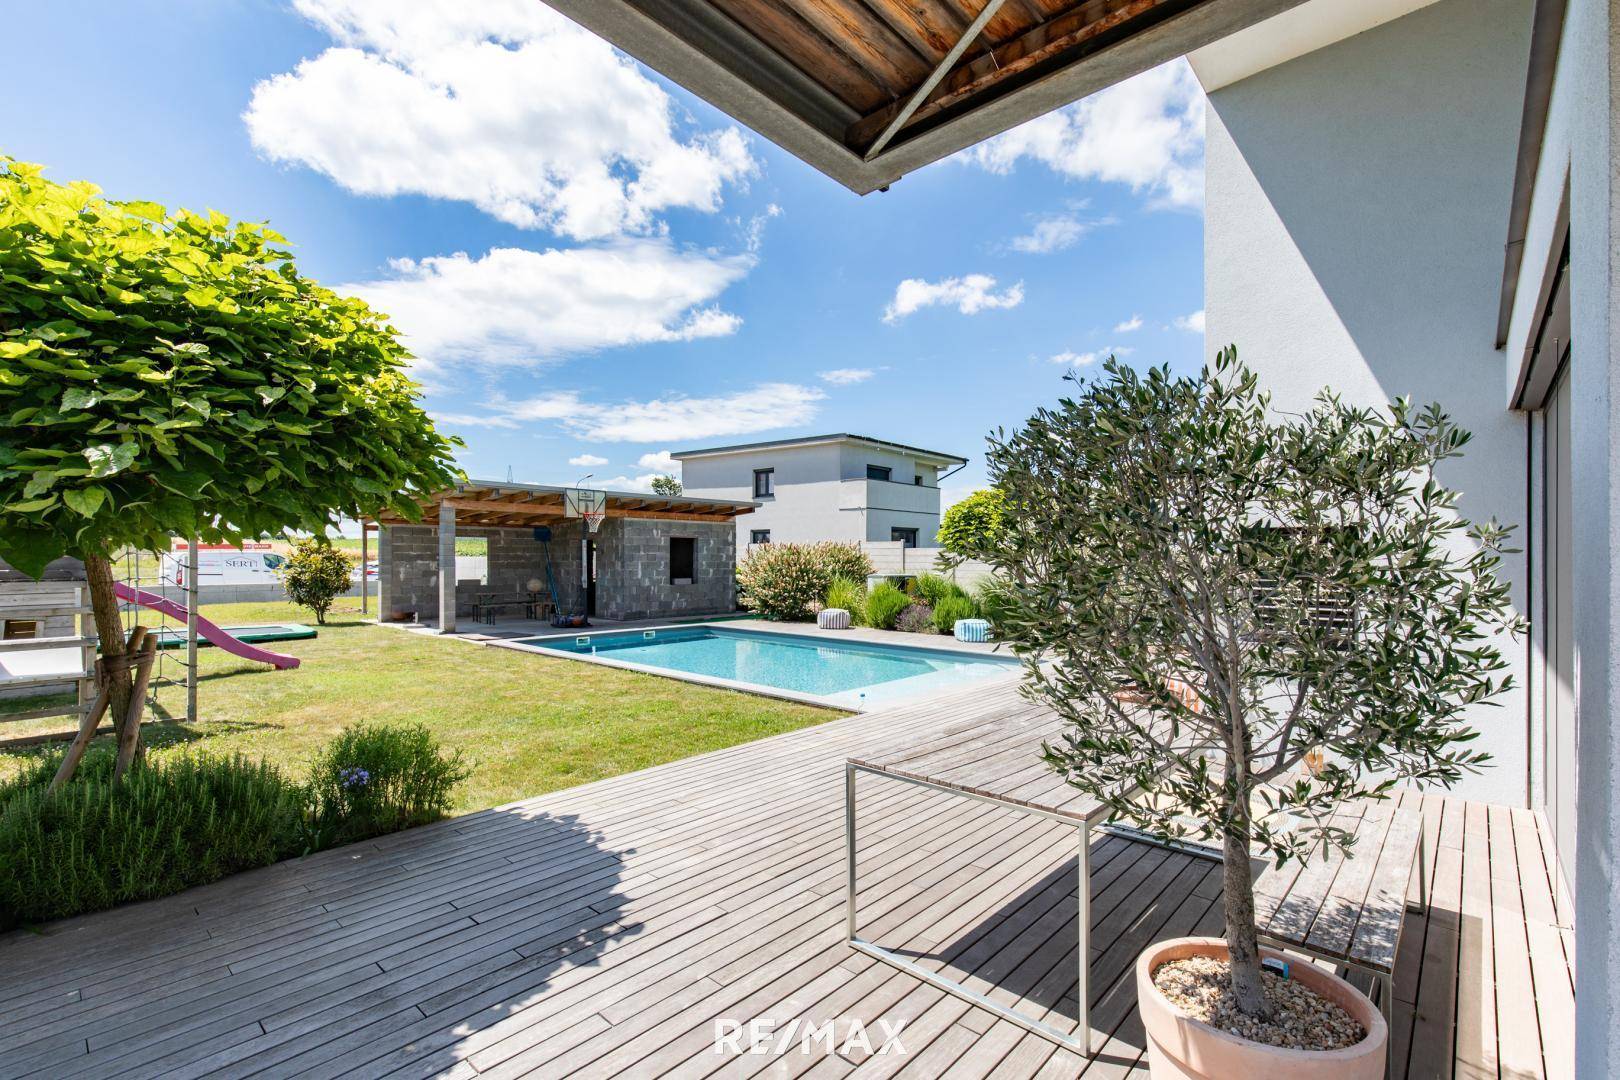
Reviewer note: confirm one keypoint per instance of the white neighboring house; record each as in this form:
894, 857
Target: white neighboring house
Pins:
825, 487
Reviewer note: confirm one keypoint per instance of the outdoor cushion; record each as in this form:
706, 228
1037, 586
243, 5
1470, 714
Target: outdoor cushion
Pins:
972, 630
833, 618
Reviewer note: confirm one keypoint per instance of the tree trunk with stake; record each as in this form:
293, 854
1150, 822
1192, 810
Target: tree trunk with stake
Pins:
98, 571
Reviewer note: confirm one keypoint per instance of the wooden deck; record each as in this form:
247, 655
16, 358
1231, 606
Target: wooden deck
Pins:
602, 931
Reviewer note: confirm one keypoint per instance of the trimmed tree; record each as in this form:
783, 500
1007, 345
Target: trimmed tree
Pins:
316, 574
1212, 593
174, 375
971, 525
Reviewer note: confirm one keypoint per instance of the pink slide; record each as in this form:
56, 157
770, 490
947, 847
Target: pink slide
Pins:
205, 629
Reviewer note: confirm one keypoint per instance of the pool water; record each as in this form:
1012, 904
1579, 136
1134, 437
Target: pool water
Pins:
852, 674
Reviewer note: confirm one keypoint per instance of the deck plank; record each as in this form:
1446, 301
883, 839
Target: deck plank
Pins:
603, 929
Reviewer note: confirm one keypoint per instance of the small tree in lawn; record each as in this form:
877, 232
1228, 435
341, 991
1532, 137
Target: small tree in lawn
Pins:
315, 574
174, 375
1208, 576
666, 485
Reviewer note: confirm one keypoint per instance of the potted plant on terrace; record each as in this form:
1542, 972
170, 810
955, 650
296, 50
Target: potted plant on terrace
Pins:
1212, 593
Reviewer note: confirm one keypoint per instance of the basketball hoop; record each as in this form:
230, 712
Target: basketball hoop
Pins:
587, 505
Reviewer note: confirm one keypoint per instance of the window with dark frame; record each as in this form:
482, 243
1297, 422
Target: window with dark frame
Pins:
764, 483
682, 559
907, 537
878, 472
917, 480
759, 536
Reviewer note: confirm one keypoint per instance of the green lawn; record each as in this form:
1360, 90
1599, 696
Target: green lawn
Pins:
530, 724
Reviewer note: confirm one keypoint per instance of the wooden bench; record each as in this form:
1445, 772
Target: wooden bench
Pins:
1347, 908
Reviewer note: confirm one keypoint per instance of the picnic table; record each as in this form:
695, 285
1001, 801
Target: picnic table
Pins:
535, 606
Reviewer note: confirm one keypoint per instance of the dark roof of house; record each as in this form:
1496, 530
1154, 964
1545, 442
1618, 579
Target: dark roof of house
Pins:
810, 440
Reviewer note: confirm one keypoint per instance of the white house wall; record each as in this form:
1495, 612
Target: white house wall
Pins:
1357, 204
1586, 120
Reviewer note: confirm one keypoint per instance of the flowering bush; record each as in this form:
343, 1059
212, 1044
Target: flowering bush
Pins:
916, 619
787, 582
374, 780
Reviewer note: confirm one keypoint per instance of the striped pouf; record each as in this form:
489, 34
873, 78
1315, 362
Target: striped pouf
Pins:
833, 618
972, 630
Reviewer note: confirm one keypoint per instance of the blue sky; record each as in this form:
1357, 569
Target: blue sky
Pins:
596, 267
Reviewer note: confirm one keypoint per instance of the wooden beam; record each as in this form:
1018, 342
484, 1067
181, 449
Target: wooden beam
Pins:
977, 75
498, 506
918, 96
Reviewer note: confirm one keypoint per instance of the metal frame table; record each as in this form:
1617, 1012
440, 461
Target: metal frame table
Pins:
997, 761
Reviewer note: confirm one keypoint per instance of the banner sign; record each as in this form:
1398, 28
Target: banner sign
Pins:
225, 564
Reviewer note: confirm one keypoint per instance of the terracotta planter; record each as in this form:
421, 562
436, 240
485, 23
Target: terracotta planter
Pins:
1181, 1048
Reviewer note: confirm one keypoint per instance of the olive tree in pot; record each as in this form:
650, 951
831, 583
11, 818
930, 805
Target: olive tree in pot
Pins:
1209, 591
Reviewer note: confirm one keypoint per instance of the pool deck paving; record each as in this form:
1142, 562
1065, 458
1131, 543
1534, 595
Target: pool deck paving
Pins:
606, 930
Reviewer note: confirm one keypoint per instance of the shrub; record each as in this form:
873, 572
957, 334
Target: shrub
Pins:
316, 573
849, 595
884, 605
972, 525
948, 610
173, 822
930, 588
916, 619
993, 603
372, 780
785, 582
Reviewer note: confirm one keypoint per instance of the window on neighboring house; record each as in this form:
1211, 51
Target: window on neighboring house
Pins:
764, 483
907, 537
759, 536
18, 629
682, 552
917, 480
878, 472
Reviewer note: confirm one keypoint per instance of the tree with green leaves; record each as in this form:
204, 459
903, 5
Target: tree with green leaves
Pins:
315, 574
971, 525
666, 485
1208, 591
168, 375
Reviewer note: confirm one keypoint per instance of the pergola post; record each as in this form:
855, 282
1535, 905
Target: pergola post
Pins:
447, 568
365, 558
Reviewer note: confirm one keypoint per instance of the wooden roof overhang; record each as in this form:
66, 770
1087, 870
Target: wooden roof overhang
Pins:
522, 506
869, 90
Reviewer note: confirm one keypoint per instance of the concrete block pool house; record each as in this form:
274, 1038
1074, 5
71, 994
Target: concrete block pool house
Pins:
652, 560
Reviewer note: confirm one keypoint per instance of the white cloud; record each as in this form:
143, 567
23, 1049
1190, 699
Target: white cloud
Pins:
660, 462
1051, 234
466, 420
1074, 359
1193, 324
1147, 132
969, 294
1130, 325
754, 232
643, 482
762, 408
517, 306
845, 376
503, 104
585, 461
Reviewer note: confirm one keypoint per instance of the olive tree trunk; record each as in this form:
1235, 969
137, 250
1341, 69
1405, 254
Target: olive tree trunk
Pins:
1237, 888
98, 571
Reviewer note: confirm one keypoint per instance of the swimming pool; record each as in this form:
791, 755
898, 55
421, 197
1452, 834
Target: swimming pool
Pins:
846, 673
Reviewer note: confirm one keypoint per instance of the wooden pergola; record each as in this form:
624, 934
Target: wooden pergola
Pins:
869, 90
491, 505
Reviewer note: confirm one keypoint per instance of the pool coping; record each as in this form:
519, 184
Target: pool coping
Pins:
761, 690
